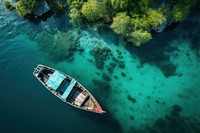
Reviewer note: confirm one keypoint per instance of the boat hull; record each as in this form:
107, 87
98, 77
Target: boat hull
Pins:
78, 97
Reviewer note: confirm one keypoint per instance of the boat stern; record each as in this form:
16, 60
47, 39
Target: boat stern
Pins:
37, 69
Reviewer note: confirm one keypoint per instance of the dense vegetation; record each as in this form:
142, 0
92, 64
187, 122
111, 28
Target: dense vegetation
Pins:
8, 5
133, 19
25, 7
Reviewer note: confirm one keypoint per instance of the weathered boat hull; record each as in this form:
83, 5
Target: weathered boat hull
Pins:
74, 94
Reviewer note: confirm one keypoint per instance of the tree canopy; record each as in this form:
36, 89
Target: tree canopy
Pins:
120, 4
139, 37
133, 19
121, 24
25, 7
93, 9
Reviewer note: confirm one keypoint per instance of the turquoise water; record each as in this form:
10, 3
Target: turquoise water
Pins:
154, 88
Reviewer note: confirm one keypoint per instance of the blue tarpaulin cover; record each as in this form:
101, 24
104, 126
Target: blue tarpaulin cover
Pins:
69, 89
55, 80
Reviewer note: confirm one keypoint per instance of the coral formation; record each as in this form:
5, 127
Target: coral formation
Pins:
174, 123
100, 55
60, 46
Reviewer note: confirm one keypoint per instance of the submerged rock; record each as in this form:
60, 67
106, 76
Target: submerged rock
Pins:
148, 97
59, 46
101, 55
112, 64
157, 101
123, 74
173, 124
119, 52
106, 77
120, 57
161, 27
115, 59
160, 123
42, 8
110, 70
130, 98
99, 64
116, 77
168, 69
121, 64
176, 109
195, 43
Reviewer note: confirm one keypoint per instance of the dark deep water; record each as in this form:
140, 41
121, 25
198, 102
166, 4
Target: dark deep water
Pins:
26, 106
150, 97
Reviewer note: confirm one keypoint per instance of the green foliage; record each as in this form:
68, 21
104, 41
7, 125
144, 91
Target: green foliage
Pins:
120, 4
133, 19
121, 24
193, 2
140, 23
139, 37
165, 11
93, 10
150, 2
75, 16
181, 12
155, 18
8, 5
182, 8
25, 7
75, 4
75, 11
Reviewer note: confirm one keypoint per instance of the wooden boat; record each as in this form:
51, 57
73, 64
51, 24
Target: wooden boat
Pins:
67, 89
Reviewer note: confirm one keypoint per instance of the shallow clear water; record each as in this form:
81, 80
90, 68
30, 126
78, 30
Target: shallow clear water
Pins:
138, 90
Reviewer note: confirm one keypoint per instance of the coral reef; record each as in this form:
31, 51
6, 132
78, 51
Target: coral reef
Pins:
174, 123
60, 46
130, 98
168, 69
106, 77
100, 55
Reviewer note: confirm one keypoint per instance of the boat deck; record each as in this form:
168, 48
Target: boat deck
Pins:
67, 89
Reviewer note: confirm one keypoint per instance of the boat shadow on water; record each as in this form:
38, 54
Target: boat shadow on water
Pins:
73, 93
107, 119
